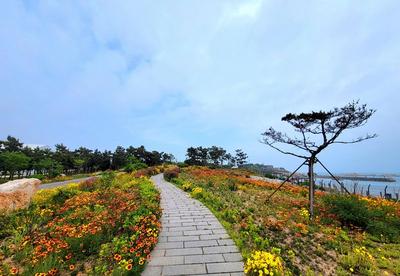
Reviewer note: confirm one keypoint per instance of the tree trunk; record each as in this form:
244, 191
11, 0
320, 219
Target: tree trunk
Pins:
311, 186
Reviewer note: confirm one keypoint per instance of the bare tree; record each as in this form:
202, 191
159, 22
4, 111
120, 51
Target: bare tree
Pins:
318, 130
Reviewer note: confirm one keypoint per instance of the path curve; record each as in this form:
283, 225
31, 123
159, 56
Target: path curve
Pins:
192, 241
62, 183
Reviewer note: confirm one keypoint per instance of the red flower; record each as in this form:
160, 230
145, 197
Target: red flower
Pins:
13, 271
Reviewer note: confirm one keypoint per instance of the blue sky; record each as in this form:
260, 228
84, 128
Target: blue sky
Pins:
172, 74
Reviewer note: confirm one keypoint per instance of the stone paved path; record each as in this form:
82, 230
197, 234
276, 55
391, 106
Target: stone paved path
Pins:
192, 241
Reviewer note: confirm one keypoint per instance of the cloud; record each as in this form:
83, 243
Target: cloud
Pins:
173, 74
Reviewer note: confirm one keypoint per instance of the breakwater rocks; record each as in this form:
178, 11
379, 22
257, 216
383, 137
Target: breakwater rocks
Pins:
361, 178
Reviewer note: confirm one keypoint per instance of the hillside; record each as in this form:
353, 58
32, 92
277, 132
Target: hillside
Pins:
350, 235
104, 226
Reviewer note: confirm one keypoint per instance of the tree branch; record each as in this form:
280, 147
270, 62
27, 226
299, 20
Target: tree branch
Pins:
323, 130
367, 137
281, 151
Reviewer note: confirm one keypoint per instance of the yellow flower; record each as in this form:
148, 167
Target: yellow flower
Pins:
196, 192
141, 261
263, 263
305, 213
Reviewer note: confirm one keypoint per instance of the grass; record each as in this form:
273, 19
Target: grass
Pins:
332, 244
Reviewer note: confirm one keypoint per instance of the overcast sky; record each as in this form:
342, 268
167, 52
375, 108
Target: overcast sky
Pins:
173, 74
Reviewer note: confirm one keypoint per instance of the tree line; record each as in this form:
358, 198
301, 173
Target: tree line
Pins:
215, 156
17, 160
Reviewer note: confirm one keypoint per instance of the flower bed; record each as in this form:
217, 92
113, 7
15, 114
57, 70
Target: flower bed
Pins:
99, 227
280, 229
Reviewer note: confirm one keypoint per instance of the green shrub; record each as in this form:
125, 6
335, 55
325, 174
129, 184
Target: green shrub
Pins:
232, 186
182, 165
354, 211
134, 167
171, 173
88, 185
6, 225
107, 178
359, 261
230, 215
386, 231
147, 172
349, 209
38, 176
63, 195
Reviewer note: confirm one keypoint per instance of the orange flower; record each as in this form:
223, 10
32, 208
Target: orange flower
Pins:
117, 257
132, 250
52, 272
71, 267
14, 271
128, 267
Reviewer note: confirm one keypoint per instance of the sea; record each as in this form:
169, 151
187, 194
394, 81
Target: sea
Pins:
361, 187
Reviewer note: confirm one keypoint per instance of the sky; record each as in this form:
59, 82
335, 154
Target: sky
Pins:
174, 74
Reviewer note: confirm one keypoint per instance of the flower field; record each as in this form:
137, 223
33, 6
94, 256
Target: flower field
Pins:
106, 226
350, 235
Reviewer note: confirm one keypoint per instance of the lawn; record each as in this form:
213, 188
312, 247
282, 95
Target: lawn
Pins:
350, 234
104, 226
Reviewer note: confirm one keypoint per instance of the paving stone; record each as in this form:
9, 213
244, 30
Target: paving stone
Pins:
214, 274
214, 237
219, 231
152, 271
169, 245
232, 257
183, 251
200, 259
188, 269
200, 243
219, 249
237, 274
173, 224
172, 260
226, 242
197, 232
182, 228
208, 227
184, 238
194, 223
225, 267
157, 252
163, 239
170, 234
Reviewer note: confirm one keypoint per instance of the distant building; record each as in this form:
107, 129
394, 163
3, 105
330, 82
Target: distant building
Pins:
34, 146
